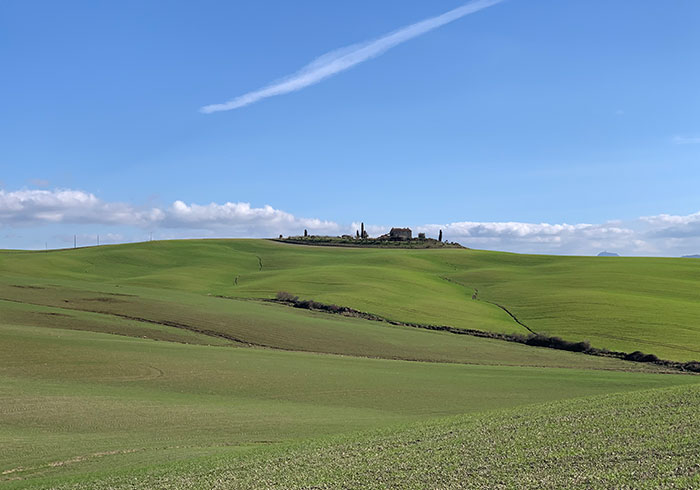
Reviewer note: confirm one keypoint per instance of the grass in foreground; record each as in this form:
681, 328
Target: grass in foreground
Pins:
644, 439
74, 402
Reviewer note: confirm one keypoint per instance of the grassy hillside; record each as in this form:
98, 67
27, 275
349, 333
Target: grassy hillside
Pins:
617, 303
77, 402
192, 318
396, 283
637, 440
162, 358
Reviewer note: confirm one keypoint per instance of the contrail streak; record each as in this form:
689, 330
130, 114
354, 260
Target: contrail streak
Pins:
340, 60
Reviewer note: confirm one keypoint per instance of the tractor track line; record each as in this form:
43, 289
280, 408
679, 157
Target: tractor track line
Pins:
510, 314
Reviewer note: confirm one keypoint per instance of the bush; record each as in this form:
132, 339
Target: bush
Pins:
638, 356
693, 366
288, 297
557, 343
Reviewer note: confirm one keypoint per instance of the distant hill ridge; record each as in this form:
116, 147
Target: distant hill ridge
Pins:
608, 254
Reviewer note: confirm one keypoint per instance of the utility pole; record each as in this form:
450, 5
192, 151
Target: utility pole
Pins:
98, 240
75, 241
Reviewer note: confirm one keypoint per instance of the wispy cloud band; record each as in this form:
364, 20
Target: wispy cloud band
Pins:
342, 59
77, 211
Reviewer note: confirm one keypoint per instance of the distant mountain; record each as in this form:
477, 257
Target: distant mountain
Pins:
696, 256
608, 254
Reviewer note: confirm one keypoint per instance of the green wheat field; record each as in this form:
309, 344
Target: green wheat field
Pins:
166, 365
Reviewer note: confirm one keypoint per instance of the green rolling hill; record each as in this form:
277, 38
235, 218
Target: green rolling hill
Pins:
162, 361
628, 304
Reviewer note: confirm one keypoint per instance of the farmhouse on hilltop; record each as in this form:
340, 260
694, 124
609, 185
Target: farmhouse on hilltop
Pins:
395, 238
400, 234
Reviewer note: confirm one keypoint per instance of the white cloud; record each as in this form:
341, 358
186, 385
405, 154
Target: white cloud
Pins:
27, 207
536, 237
36, 207
342, 59
671, 219
662, 234
674, 226
242, 218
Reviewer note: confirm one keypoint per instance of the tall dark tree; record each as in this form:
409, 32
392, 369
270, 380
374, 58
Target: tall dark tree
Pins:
306, 233
357, 233
440, 237
362, 227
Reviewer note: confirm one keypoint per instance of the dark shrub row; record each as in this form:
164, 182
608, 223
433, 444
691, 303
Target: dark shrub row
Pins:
536, 340
641, 357
309, 304
693, 366
586, 348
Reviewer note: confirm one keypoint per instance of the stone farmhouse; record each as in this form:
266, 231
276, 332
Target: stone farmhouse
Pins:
398, 234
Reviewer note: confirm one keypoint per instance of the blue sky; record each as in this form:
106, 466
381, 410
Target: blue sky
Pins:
531, 125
